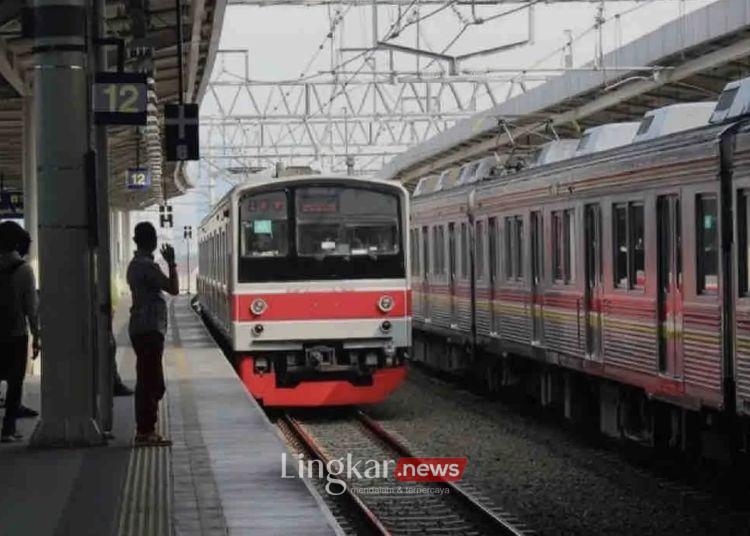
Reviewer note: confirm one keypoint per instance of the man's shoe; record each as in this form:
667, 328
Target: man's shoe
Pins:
122, 390
11, 438
26, 413
151, 440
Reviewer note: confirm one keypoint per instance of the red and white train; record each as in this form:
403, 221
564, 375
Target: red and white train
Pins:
611, 277
307, 280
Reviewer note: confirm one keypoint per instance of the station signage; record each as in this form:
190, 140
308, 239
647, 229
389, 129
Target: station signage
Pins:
120, 98
139, 178
11, 205
181, 132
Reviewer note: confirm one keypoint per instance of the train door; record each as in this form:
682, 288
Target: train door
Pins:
537, 274
593, 284
452, 269
493, 264
426, 271
669, 279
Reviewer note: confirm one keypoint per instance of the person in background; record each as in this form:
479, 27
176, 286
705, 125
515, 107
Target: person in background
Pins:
18, 316
147, 328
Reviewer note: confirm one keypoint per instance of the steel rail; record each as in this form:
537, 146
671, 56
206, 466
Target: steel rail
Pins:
391, 442
309, 442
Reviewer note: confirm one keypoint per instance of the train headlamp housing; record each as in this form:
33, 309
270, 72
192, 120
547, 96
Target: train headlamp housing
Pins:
258, 306
386, 303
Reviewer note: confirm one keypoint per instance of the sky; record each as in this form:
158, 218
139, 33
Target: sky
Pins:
284, 42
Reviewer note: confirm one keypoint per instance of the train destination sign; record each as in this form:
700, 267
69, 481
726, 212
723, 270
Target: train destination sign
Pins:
139, 178
120, 98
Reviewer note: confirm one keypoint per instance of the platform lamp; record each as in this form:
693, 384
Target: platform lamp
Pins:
187, 234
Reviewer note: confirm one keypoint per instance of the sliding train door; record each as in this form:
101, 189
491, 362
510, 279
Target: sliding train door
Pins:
593, 285
670, 297
537, 276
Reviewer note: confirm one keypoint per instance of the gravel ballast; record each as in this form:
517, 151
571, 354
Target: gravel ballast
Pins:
542, 473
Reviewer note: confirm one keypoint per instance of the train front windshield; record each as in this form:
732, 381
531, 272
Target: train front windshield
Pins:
320, 232
346, 221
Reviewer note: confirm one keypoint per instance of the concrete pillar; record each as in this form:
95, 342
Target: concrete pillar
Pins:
30, 197
103, 261
61, 88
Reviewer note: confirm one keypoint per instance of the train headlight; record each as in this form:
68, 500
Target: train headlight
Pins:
258, 330
258, 307
386, 303
386, 326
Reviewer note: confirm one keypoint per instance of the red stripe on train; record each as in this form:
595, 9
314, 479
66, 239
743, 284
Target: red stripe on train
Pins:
331, 305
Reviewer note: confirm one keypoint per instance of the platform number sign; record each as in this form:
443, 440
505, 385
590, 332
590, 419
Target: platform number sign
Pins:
120, 98
165, 216
181, 132
139, 178
11, 205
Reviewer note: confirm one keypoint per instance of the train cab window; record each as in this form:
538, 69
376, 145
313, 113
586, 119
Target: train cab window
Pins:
563, 246
628, 240
479, 241
514, 248
346, 222
707, 238
464, 251
263, 225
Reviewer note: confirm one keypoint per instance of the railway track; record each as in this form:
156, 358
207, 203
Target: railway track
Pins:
386, 505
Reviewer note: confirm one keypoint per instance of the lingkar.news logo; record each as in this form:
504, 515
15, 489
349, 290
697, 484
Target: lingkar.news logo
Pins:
339, 471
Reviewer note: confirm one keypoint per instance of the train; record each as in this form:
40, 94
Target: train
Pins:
306, 281
606, 276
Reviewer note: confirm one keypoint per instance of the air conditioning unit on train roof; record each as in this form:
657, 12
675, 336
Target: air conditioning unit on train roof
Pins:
448, 179
734, 101
553, 151
605, 137
477, 170
426, 185
673, 118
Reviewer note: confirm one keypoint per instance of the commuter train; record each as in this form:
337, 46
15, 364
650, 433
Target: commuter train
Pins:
306, 279
610, 277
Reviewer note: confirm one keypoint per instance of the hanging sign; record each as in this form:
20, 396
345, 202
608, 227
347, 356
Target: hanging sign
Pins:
11, 205
120, 98
181, 132
139, 178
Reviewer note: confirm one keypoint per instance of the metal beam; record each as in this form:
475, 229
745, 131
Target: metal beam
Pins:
596, 103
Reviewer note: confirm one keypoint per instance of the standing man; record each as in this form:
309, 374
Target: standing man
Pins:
18, 314
148, 326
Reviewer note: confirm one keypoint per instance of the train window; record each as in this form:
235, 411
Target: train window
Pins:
441, 249
464, 250
263, 225
514, 248
707, 237
341, 222
425, 250
638, 249
628, 239
436, 246
563, 245
479, 242
414, 237
492, 254
743, 255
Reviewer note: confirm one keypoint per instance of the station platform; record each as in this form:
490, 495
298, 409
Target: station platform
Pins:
222, 475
